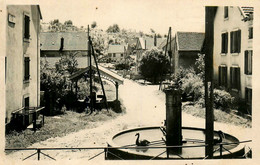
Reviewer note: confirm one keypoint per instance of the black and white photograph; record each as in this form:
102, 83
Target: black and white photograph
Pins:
129, 81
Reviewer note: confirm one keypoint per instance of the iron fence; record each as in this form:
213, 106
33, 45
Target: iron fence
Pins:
106, 150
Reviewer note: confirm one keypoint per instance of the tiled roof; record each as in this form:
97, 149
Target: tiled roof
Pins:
189, 41
172, 44
116, 49
72, 40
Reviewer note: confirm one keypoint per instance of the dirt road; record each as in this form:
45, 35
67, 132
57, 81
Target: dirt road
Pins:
145, 106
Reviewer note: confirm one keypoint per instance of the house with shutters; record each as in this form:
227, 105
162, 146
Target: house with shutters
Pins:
22, 63
233, 51
57, 44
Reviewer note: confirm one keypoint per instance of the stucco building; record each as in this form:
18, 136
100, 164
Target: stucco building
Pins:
56, 44
233, 50
22, 60
116, 53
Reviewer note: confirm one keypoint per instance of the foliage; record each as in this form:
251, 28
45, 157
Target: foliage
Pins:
200, 65
67, 64
68, 23
154, 65
222, 99
122, 66
94, 24
113, 29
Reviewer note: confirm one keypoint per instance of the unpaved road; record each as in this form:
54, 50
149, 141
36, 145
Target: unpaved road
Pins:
145, 106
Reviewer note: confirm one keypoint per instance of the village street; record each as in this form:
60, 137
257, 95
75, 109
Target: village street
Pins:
145, 106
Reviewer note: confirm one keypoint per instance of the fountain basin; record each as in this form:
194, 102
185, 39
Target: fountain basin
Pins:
193, 136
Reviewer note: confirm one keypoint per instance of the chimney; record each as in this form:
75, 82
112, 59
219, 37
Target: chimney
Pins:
61, 44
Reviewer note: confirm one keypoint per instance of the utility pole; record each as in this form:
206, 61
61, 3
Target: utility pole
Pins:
90, 73
208, 45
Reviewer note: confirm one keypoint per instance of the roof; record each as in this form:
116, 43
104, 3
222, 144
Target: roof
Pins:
116, 49
189, 41
163, 46
247, 13
103, 71
148, 42
38, 6
72, 40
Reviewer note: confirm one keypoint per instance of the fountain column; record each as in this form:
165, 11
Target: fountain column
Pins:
173, 119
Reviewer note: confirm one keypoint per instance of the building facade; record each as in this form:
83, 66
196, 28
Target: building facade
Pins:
22, 60
116, 53
233, 50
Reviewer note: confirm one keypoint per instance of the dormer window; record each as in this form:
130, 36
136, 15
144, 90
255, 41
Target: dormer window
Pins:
226, 12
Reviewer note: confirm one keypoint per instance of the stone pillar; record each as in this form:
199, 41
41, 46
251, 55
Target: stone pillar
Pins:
116, 90
173, 119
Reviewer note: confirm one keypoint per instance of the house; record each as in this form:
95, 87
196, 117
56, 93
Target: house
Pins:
22, 63
143, 44
233, 51
56, 44
116, 52
187, 46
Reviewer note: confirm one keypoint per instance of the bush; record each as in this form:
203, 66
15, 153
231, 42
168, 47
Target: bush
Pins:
122, 66
222, 99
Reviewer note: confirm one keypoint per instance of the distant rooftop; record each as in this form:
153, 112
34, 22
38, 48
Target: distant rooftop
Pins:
189, 41
72, 41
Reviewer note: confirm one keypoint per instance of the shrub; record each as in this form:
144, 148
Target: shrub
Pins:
122, 66
222, 99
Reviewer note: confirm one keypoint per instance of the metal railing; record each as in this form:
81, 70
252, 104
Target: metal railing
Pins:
106, 151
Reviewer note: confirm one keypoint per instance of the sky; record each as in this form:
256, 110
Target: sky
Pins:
141, 15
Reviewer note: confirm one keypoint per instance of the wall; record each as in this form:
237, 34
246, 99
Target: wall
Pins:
221, 25
16, 50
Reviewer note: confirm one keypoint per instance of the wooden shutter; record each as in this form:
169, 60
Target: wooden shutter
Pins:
26, 27
231, 42
225, 76
219, 75
231, 77
238, 78
26, 68
226, 42
238, 41
246, 62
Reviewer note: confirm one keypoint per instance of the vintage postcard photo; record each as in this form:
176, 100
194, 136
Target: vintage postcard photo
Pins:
88, 81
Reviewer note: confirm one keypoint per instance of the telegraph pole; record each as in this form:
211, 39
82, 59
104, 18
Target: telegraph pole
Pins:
90, 73
209, 44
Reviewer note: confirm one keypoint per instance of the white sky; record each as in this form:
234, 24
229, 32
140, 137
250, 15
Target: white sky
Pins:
130, 14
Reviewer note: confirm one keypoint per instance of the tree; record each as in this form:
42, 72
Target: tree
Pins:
68, 23
113, 29
154, 65
67, 64
152, 31
94, 24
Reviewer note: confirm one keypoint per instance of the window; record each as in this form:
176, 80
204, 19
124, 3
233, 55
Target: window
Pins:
114, 55
26, 27
226, 12
224, 45
122, 55
248, 62
222, 71
235, 78
26, 68
250, 33
235, 44
109, 55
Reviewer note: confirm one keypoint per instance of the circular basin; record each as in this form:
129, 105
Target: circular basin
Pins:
193, 148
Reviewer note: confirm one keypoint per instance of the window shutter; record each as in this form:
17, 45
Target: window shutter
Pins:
26, 68
232, 42
238, 41
226, 42
246, 62
231, 77
222, 43
238, 78
225, 76
219, 75
26, 27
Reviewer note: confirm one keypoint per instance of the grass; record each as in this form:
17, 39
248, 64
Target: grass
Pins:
57, 126
219, 115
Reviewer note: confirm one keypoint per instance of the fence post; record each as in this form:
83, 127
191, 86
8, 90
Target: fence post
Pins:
220, 149
39, 152
34, 121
